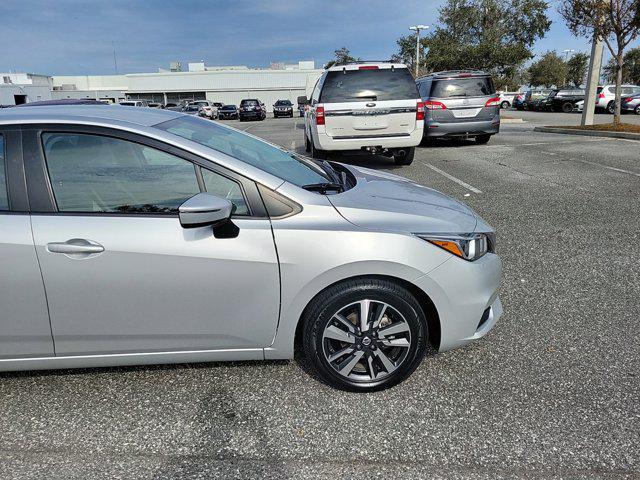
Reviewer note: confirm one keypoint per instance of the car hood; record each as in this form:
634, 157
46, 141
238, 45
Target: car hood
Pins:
383, 201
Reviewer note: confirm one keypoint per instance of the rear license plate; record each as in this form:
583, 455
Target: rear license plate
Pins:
466, 113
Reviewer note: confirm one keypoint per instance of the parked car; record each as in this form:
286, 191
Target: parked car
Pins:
252, 108
134, 103
208, 109
544, 104
283, 108
368, 107
506, 98
155, 105
532, 98
228, 112
192, 109
606, 96
160, 237
565, 99
460, 103
62, 101
631, 104
173, 106
578, 106
518, 101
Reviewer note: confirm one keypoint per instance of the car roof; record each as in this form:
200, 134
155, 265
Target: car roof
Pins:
87, 113
364, 65
456, 74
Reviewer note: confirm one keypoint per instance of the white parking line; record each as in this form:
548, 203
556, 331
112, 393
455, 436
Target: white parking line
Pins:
453, 179
606, 166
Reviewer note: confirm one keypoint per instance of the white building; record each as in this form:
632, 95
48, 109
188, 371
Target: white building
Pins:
17, 88
221, 84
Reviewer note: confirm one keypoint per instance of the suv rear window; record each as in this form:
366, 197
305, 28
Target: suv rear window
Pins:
462, 87
249, 102
365, 85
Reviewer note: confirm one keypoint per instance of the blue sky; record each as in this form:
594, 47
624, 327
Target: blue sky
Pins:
73, 37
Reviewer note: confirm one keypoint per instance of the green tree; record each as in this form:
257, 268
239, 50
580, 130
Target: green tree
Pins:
493, 35
550, 70
630, 68
342, 57
577, 68
407, 52
615, 22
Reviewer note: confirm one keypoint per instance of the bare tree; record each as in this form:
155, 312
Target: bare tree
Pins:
615, 22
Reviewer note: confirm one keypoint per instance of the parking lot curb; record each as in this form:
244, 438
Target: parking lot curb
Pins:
589, 133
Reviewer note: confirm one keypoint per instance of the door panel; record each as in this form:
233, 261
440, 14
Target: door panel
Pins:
157, 286
24, 322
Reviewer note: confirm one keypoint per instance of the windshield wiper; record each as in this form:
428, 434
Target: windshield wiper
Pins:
324, 187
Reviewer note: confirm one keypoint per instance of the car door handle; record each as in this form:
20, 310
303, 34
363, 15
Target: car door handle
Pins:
75, 246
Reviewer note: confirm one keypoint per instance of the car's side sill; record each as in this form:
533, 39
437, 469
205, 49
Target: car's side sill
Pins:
123, 359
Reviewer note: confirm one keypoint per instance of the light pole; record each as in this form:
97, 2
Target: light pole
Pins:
566, 53
417, 28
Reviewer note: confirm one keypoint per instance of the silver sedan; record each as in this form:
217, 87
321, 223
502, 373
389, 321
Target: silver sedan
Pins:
149, 236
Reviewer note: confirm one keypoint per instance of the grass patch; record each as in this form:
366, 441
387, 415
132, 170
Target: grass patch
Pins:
605, 127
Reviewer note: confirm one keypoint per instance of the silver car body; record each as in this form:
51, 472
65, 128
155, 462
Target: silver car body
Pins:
159, 293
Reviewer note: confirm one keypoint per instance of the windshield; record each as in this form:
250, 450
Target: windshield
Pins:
364, 85
283, 102
228, 107
462, 87
255, 152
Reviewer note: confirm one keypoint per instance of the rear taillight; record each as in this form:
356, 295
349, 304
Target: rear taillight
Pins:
434, 105
319, 115
628, 99
492, 102
420, 111
368, 67
601, 95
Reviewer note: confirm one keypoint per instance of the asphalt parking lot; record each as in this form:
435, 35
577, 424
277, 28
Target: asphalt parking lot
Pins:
552, 392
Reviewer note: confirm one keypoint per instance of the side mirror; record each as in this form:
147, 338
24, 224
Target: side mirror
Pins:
303, 100
203, 210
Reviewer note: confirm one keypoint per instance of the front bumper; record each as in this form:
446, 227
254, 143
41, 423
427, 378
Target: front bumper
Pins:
465, 295
284, 113
461, 129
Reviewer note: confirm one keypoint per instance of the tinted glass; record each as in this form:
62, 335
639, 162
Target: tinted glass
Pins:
228, 107
249, 102
248, 149
225, 188
366, 85
462, 87
4, 198
283, 102
91, 173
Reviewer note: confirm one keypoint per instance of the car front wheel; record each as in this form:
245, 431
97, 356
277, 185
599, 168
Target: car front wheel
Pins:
404, 156
316, 152
611, 108
364, 335
482, 139
637, 110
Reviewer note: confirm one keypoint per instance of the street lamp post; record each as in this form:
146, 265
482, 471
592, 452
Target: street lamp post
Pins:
417, 28
566, 53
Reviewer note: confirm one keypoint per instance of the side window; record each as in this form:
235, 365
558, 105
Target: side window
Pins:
93, 173
226, 188
316, 90
4, 198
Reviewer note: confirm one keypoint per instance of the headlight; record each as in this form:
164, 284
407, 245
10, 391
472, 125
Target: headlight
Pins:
470, 246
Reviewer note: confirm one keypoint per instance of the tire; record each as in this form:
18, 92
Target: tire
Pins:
407, 158
637, 110
567, 107
611, 107
307, 144
389, 306
483, 139
505, 104
315, 152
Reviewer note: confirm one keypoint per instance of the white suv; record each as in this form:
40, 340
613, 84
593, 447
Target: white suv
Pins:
606, 96
365, 107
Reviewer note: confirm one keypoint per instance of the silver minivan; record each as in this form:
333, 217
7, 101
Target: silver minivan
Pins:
460, 104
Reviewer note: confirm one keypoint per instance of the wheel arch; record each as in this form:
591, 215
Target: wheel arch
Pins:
428, 307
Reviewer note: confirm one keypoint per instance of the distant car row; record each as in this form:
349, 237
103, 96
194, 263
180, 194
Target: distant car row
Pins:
569, 99
250, 109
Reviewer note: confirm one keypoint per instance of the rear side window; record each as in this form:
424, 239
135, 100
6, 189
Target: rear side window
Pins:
4, 198
368, 85
462, 87
92, 173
